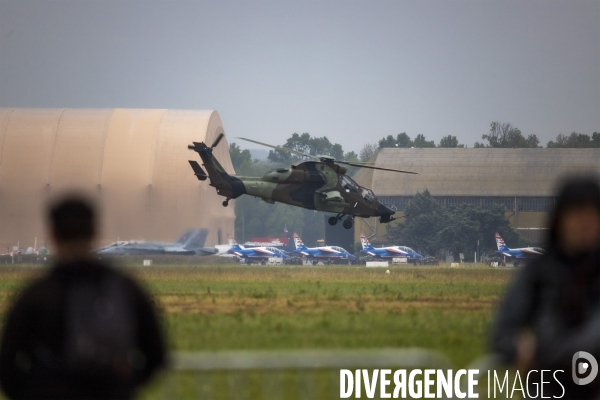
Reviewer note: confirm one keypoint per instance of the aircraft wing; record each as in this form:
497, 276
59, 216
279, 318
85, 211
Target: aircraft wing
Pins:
261, 256
263, 251
395, 250
328, 250
206, 251
531, 251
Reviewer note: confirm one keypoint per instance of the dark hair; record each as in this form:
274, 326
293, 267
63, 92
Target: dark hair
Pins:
72, 218
576, 192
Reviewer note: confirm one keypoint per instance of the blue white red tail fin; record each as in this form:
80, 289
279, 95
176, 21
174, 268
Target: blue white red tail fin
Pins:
298, 242
365, 242
233, 243
500, 243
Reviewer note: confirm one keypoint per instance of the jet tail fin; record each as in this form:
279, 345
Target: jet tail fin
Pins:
500, 242
196, 239
230, 240
365, 242
233, 243
298, 242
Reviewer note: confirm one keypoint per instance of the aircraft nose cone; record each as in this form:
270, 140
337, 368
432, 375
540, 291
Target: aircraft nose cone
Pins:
384, 210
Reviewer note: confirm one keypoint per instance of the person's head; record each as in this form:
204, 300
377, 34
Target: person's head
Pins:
575, 227
72, 224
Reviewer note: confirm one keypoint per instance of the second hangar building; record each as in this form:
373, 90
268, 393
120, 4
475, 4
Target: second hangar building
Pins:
523, 181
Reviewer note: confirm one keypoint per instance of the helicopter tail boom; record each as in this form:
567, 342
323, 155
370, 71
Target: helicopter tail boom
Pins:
227, 185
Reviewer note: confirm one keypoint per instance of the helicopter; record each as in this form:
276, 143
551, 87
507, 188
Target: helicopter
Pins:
319, 183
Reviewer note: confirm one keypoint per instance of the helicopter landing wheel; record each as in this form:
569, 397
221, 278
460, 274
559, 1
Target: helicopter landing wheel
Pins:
348, 223
226, 203
332, 221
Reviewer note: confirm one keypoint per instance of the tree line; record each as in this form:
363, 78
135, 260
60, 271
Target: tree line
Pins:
500, 135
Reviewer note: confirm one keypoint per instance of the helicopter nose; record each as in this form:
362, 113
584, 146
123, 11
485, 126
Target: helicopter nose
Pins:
384, 210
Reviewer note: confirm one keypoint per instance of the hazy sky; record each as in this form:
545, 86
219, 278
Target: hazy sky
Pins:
354, 71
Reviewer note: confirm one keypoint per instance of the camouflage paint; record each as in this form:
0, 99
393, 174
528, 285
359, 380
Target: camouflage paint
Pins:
311, 184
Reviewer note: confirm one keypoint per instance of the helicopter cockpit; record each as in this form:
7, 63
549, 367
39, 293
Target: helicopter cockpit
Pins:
348, 184
352, 187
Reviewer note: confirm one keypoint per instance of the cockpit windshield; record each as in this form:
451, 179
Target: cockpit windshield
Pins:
368, 195
348, 184
352, 187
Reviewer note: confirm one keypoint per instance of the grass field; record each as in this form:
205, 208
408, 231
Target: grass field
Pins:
226, 306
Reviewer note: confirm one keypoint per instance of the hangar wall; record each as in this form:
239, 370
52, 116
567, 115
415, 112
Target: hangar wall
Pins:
134, 162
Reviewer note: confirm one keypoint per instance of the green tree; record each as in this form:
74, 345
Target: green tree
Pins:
421, 227
253, 167
238, 156
351, 156
420, 141
306, 144
450, 142
504, 135
492, 221
460, 230
468, 224
401, 140
387, 141
367, 152
295, 142
575, 140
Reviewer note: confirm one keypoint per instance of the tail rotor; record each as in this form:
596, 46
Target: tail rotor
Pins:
217, 140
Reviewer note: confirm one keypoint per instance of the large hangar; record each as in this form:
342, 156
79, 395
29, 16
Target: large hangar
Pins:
133, 161
523, 181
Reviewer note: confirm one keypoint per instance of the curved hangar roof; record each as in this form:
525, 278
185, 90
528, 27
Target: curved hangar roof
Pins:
135, 162
477, 172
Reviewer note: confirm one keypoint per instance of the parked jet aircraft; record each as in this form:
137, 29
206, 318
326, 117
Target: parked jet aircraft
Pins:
521, 253
190, 243
329, 254
258, 254
388, 252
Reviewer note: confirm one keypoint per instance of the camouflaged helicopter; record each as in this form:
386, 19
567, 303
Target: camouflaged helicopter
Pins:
319, 183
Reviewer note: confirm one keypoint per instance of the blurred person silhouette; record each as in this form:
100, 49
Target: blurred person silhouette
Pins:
83, 331
552, 308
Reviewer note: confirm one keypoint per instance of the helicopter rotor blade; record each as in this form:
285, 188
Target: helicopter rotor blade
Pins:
217, 140
299, 153
355, 163
373, 167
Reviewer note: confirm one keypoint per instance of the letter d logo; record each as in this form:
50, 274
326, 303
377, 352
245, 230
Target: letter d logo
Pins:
582, 368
